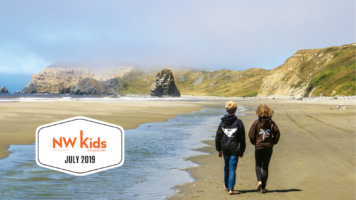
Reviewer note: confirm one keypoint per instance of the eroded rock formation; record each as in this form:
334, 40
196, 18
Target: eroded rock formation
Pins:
164, 85
57, 79
293, 77
4, 90
90, 86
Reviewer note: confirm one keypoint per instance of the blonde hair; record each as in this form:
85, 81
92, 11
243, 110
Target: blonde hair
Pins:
264, 111
230, 107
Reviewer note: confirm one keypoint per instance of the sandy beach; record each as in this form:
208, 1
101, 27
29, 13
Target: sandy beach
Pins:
314, 159
19, 120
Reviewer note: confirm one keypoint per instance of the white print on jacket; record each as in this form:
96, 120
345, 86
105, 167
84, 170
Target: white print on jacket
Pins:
229, 131
265, 133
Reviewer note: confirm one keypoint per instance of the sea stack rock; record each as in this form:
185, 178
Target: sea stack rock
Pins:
164, 85
4, 90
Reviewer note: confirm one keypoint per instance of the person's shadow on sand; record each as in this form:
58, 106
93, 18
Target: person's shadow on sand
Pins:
270, 191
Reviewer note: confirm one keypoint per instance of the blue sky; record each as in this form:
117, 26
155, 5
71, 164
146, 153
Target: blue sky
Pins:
208, 34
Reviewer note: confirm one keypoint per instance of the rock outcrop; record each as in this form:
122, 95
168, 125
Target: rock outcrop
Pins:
57, 79
288, 79
4, 90
164, 85
312, 72
90, 86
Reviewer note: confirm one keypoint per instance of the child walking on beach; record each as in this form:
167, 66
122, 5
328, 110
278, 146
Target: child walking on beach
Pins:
264, 133
230, 142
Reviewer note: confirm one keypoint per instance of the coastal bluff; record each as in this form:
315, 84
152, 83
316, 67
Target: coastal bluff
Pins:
58, 79
307, 73
313, 72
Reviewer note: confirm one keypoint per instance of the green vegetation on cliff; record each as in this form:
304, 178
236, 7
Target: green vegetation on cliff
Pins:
200, 82
314, 72
338, 75
220, 83
137, 82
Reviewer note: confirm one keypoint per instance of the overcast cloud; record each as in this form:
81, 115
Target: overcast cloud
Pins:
209, 34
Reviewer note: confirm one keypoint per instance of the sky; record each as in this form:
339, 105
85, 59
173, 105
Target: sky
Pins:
206, 34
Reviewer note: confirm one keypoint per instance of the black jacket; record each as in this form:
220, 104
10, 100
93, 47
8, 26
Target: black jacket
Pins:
230, 136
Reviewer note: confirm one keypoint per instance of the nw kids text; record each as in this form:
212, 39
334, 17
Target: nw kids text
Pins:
83, 142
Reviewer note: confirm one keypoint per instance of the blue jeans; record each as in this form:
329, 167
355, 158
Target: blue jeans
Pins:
230, 171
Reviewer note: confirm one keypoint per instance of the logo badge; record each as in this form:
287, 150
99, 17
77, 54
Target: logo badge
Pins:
80, 146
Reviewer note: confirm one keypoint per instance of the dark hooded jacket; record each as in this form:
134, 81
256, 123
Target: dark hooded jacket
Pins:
230, 136
264, 133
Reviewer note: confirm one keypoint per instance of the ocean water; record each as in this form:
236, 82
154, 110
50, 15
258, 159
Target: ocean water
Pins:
154, 157
59, 97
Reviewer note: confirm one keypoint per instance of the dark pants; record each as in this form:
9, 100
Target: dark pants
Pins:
262, 158
230, 171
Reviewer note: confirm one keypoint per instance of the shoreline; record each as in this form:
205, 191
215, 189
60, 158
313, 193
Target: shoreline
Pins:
336, 165
19, 120
22, 158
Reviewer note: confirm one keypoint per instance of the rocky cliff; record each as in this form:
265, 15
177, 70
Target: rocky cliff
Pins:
164, 85
57, 79
313, 72
4, 90
90, 86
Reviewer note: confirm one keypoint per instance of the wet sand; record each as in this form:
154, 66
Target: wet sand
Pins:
19, 120
314, 159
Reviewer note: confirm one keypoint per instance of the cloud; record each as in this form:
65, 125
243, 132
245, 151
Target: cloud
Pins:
206, 34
